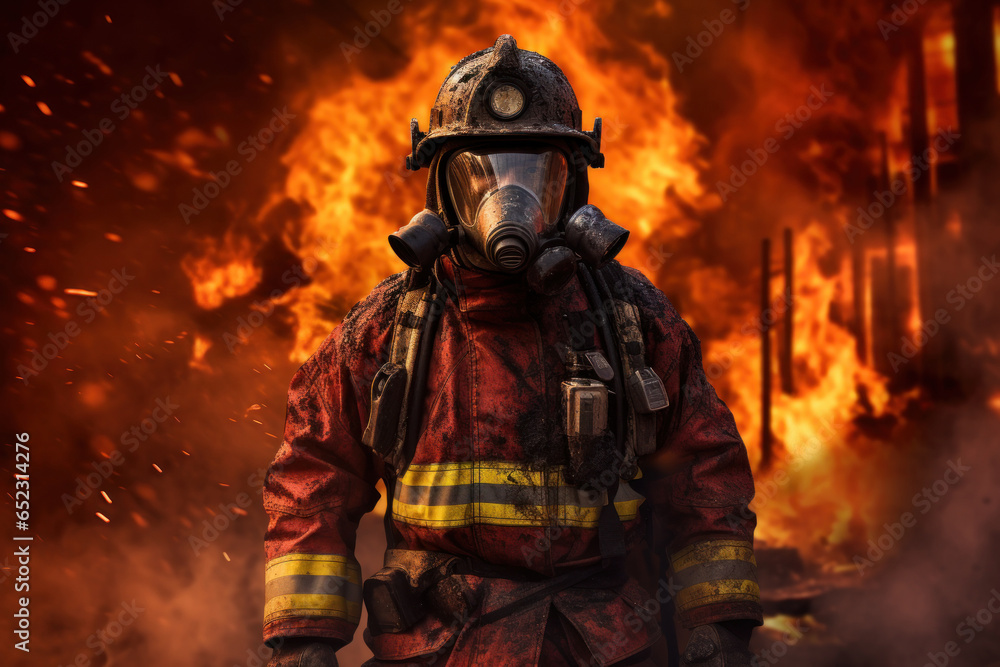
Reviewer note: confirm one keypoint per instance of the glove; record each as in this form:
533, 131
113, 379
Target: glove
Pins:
719, 645
304, 652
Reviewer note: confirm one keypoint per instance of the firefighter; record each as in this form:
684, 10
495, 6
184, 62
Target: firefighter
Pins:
539, 415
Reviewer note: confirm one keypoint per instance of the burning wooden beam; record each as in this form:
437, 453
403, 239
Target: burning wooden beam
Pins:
766, 435
785, 361
858, 292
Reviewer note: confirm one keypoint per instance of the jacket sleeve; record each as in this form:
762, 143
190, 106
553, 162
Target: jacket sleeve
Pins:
701, 482
320, 484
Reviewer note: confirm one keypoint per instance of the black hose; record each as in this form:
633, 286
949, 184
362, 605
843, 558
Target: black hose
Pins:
611, 343
418, 385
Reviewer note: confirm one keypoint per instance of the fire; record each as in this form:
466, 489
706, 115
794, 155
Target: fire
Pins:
346, 165
222, 270
344, 168
814, 496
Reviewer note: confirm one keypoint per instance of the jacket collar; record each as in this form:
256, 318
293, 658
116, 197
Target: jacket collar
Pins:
480, 290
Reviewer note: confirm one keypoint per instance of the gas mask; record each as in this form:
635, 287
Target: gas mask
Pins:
508, 204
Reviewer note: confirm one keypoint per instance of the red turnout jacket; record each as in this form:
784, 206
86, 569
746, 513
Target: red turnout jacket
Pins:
487, 480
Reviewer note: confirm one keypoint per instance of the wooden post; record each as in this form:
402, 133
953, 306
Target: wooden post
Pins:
924, 235
787, 378
858, 291
766, 437
892, 290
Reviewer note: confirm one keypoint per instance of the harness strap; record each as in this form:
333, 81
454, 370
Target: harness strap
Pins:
640, 436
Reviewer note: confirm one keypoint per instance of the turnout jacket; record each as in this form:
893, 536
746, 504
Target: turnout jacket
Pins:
487, 478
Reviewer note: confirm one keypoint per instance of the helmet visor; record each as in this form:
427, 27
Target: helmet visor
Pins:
475, 174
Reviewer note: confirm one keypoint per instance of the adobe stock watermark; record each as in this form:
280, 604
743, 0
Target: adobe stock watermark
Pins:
121, 108
99, 641
793, 634
59, 340
718, 363
958, 297
363, 35
223, 7
262, 655
563, 11
229, 512
30, 25
249, 148
900, 14
923, 501
261, 310
130, 438
767, 489
915, 169
786, 126
968, 630
696, 44
656, 259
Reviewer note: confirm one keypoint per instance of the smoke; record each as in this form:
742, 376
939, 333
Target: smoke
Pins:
297, 235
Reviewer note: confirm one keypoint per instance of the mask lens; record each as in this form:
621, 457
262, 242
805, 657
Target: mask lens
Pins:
474, 174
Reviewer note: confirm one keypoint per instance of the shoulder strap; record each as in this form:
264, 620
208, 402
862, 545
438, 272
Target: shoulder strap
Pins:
411, 315
391, 392
393, 384
640, 380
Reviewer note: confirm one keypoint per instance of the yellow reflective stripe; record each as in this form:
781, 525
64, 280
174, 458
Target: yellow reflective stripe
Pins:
589, 517
720, 590
431, 495
469, 472
431, 515
313, 564
453, 516
480, 472
711, 551
316, 572
334, 606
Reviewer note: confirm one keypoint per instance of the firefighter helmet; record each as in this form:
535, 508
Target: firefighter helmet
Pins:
504, 92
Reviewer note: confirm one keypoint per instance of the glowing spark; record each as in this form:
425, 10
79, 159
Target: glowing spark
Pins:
113, 237
29, 250
44, 108
107, 18
157, 468
80, 292
176, 79
106, 497
94, 60
28, 80
80, 184
103, 518
13, 215
226, 555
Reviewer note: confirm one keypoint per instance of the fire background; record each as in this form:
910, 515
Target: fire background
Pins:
194, 193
